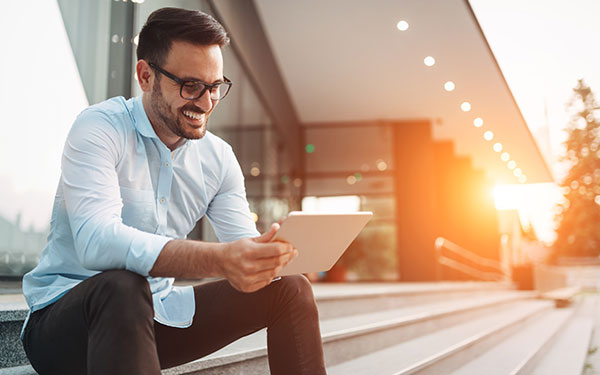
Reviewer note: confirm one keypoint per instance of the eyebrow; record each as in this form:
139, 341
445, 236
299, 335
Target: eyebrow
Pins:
194, 79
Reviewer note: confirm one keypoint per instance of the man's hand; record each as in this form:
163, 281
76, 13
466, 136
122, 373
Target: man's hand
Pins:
251, 264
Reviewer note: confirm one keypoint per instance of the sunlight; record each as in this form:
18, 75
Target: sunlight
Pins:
340, 204
508, 197
535, 202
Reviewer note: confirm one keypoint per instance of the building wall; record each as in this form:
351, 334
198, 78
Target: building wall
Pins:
424, 191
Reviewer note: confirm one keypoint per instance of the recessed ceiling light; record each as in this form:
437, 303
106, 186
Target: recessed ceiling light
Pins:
449, 86
511, 164
478, 122
402, 25
522, 179
488, 135
517, 172
498, 147
429, 61
505, 156
465, 106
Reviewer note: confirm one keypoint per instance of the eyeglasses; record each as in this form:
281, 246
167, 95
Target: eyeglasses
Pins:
193, 89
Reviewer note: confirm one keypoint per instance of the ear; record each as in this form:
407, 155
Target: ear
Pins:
145, 75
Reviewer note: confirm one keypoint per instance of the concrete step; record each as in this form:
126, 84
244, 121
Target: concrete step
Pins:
567, 355
18, 370
13, 311
337, 300
351, 336
419, 353
517, 354
376, 306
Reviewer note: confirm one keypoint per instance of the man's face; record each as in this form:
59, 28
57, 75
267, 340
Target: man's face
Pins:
172, 116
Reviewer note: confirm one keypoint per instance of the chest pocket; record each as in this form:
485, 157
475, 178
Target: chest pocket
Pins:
139, 209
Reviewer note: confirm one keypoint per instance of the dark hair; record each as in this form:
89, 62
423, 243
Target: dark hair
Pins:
166, 25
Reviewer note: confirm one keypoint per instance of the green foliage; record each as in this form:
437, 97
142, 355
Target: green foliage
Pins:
578, 234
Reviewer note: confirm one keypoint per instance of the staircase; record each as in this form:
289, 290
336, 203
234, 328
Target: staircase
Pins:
404, 328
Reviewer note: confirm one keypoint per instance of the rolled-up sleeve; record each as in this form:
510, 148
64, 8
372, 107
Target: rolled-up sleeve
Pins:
228, 211
93, 200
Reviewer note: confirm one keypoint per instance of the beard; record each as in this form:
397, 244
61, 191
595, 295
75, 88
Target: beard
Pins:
174, 122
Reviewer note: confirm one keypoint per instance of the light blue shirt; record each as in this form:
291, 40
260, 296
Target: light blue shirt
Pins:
123, 195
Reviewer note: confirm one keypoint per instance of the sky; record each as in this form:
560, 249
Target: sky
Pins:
543, 47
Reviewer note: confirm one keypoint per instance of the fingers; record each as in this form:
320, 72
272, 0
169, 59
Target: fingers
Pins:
265, 264
252, 264
268, 236
269, 250
261, 273
261, 280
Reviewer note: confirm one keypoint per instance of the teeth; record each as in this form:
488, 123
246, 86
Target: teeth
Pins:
194, 115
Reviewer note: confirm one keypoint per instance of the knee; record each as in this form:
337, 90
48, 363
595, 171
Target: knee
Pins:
298, 288
122, 288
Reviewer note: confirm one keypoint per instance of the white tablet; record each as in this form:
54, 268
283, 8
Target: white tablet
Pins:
320, 238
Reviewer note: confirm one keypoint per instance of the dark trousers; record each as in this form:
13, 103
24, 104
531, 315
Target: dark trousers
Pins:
105, 325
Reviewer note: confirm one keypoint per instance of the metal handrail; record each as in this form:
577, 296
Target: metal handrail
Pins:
441, 243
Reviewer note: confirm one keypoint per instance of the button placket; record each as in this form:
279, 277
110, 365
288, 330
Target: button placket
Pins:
164, 188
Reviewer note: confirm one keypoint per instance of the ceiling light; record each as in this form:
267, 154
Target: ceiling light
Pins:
488, 135
466, 107
505, 156
478, 122
517, 172
511, 164
402, 25
449, 86
498, 147
522, 179
429, 61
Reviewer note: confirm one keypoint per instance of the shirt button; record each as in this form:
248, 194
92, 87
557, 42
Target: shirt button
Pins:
162, 200
167, 164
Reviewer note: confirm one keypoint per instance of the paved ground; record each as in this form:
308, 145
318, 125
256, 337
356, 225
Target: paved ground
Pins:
591, 308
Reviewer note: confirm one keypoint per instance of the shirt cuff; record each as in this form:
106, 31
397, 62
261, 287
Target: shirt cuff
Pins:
143, 251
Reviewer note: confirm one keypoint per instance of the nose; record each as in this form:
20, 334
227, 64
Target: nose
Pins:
204, 102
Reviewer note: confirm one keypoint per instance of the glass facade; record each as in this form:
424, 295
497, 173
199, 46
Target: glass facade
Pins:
357, 159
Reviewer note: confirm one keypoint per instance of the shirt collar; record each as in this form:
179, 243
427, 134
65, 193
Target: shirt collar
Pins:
142, 123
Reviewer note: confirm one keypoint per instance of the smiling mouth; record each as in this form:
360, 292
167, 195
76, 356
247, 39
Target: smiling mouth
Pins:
193, 115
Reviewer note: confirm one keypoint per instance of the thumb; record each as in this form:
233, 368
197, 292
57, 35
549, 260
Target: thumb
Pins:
268, 236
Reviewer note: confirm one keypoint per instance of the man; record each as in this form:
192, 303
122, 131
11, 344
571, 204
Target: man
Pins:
136, 176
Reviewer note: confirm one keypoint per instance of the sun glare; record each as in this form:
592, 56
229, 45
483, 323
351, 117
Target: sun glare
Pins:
507, 197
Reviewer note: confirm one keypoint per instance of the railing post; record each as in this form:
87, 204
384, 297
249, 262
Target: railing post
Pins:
439, 244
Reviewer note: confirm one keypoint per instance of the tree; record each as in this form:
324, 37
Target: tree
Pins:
578, 233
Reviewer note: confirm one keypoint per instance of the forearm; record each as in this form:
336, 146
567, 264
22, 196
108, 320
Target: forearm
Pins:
189, 259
